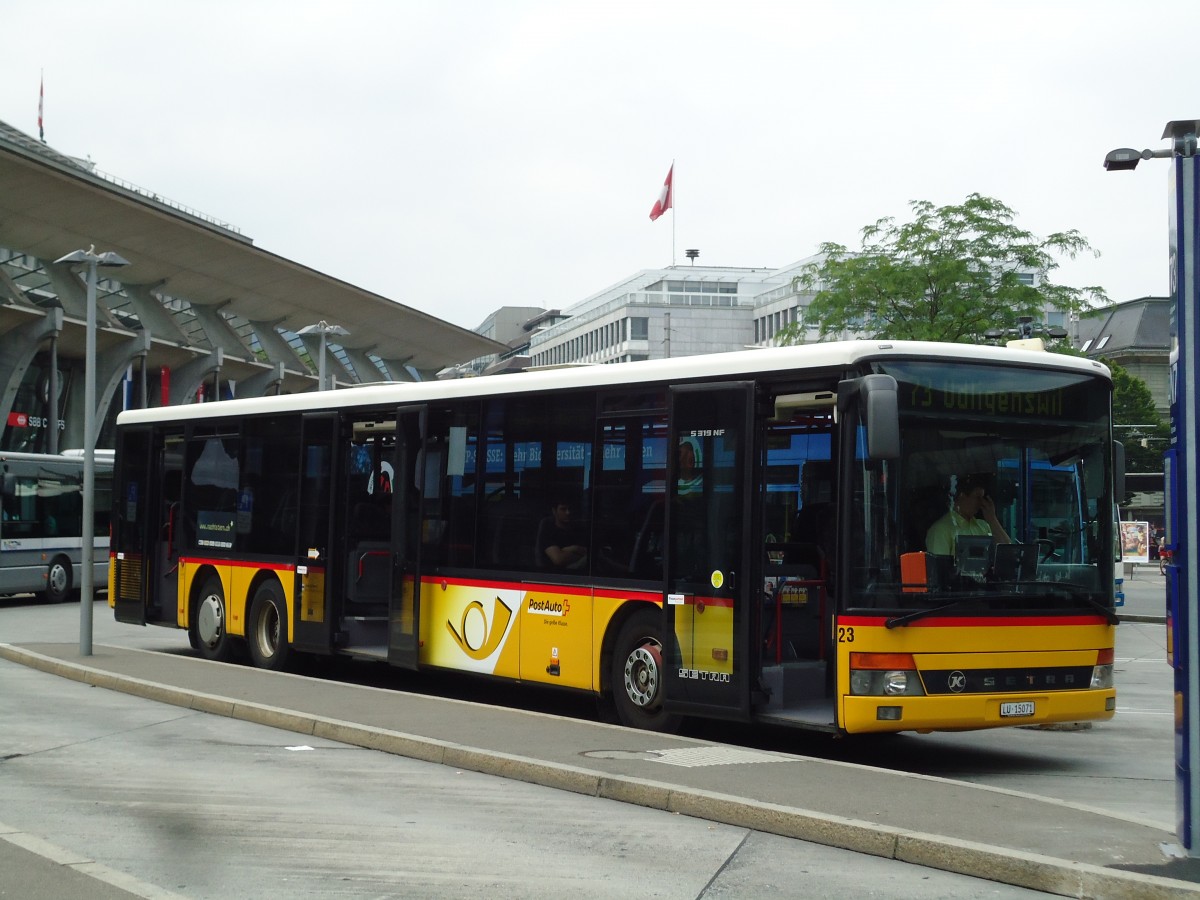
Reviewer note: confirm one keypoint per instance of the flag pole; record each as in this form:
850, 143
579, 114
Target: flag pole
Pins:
674, 213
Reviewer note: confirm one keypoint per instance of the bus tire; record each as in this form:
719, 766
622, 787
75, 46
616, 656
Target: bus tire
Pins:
637, 674
210, 621
58, 580
267, 630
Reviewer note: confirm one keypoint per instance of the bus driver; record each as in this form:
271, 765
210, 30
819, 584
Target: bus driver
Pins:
972, 512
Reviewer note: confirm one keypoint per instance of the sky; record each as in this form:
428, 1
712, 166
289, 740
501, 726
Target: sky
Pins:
462, 155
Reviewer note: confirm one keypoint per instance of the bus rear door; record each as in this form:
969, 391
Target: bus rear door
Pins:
135, 531
707, 655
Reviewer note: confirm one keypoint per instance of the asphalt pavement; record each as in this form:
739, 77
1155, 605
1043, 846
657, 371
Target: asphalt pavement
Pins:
1071, 849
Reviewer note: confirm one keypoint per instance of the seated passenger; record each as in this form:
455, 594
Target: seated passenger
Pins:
972, 512
559, 544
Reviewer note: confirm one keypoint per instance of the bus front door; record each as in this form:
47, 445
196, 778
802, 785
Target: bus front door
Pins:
706, 629
404, 613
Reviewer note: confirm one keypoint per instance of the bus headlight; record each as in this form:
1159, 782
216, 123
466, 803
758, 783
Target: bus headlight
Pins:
1102, 672
884, 675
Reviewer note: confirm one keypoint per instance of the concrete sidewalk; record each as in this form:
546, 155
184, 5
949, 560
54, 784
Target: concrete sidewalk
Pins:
988, 833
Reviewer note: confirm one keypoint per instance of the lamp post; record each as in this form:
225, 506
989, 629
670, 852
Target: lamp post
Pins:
87, 554
324, 329
1181, 463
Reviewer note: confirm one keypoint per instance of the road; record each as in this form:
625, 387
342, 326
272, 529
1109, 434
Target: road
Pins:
109, 796
241, 810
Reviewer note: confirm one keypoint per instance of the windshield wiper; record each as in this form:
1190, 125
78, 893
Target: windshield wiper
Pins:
897, 621
1079, 597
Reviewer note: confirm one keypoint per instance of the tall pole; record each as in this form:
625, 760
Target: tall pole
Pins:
1181, 464
88, 551
52, 399
1183, 576
324, 329
321, 365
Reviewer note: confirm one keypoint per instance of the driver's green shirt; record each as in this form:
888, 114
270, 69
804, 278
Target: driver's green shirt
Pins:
942, 534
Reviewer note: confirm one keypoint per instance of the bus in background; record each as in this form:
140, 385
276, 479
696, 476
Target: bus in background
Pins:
741, 535
41, 526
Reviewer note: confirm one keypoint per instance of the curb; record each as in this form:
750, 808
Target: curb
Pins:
1013, 867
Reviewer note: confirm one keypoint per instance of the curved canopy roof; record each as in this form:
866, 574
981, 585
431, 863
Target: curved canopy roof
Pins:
51, 204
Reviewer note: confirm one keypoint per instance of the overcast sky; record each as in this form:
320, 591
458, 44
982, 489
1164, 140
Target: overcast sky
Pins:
459, 156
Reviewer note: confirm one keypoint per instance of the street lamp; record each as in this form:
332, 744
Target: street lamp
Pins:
324, 329
87, 589
1183, 143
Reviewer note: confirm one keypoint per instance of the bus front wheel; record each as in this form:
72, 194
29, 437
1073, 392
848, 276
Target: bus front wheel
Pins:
637, 674
58, 580
209, 622
267, 628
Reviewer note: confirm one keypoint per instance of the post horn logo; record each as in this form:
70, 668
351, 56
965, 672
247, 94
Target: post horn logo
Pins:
474, 636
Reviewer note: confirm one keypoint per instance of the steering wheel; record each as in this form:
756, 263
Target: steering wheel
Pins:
1048, 547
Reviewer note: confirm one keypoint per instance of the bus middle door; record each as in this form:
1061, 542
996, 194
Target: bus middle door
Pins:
707, 653
404, 612
313, 616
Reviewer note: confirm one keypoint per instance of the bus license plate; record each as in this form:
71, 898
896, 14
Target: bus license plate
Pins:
1010, 710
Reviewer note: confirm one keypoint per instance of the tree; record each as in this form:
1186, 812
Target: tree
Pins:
951, 274
1138, 425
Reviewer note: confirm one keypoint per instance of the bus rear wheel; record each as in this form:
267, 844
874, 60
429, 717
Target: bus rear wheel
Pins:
267, 631
209, 622
58, 580
637, 674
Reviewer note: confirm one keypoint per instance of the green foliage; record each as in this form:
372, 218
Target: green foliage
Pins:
1136, 420
948, 275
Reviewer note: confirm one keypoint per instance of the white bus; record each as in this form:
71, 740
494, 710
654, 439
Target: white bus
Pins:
41, 529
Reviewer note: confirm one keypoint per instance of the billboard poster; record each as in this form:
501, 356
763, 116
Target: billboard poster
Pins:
1135, 542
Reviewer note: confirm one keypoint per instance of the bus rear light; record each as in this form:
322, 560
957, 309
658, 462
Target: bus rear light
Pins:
1105, 657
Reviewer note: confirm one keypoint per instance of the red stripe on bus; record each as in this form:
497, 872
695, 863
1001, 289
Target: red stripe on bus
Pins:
726, 602
243, 564
527, 586
982, 621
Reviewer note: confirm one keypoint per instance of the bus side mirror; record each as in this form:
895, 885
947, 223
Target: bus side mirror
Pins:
880, 411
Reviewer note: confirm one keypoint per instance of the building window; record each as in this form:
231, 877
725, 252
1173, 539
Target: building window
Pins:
639, 328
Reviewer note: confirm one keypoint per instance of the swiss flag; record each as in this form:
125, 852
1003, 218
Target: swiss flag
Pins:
665, 199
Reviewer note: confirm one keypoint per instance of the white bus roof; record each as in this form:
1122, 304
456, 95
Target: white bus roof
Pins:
823, 356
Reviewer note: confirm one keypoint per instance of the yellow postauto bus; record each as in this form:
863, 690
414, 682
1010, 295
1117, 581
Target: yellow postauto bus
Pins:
774, 535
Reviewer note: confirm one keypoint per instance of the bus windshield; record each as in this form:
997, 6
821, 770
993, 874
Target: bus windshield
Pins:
1001, 498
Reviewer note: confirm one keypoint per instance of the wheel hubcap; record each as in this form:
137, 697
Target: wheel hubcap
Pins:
642, 674
58, 578
210, 620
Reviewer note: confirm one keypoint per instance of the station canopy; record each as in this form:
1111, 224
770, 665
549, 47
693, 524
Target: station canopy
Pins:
217, 288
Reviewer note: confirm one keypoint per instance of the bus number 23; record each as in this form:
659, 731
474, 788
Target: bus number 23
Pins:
845, 634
